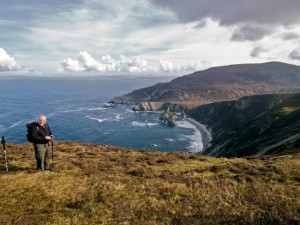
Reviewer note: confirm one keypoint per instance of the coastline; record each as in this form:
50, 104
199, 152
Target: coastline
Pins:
205, 134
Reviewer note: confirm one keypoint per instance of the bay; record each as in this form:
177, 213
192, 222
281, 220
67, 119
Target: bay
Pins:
76, 108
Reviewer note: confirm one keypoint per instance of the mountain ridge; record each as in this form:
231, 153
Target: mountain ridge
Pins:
222, 83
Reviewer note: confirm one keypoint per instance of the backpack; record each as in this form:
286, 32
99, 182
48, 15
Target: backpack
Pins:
30, 127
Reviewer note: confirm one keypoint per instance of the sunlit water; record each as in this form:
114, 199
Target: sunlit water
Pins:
76, 111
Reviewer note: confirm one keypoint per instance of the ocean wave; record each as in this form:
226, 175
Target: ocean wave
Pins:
185, 124
155, 145
115, 117
118, 117
170, 139
2, 128
108, 105
100, 120
16, 124
130, 111
73, 110
95, 108
79, 109
143, 124
196, 144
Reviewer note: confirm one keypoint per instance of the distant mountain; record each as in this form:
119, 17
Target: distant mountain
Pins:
221, 84
255, 125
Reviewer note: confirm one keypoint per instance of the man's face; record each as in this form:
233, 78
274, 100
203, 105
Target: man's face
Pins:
42, 120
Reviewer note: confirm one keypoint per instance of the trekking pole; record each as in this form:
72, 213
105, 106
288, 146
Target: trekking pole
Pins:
4, 152
52, 150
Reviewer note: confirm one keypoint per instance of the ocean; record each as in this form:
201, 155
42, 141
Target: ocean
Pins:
77, 110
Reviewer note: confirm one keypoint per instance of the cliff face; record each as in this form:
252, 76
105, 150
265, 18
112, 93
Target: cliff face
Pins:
155, 106
223, 83
256, 125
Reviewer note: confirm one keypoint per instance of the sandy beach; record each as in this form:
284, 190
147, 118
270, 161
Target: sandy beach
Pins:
206, 136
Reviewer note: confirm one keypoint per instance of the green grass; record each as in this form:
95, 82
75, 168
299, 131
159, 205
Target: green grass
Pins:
287, 110
94, 184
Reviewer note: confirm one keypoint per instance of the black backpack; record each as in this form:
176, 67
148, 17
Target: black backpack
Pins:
30, 127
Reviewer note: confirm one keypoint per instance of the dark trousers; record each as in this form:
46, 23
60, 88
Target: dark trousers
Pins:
42, 154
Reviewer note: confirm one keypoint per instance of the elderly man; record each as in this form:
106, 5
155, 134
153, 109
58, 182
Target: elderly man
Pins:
42, 137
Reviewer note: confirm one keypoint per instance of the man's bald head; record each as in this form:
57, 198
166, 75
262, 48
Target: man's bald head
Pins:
42, 120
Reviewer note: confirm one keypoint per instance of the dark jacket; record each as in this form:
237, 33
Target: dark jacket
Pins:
39, 133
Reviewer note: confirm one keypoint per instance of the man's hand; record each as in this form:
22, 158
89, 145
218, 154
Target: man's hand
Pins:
49, 137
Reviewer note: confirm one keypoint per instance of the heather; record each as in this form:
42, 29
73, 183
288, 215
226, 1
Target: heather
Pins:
101, 184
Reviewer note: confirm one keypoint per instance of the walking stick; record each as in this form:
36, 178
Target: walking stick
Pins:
4, 152
52, 150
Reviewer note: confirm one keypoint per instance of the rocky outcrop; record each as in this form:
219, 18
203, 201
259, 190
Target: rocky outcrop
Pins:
156, 106
148, 106
168, 117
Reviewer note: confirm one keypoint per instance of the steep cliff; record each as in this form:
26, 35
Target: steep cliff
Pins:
155, 106
255, 125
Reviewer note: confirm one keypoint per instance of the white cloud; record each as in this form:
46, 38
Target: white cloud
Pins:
72, 65
89, 63
86, 63
166, 66
7, 63
136, 64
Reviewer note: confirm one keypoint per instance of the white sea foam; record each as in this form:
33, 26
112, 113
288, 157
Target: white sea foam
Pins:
108, 105
115, 117
138, 124
79, 109
185, 124
95, 108
100, 120
170, 139
16, 124
73, 110
130, 111
118, 117
196, 144
143, 124
154, 145
152, 124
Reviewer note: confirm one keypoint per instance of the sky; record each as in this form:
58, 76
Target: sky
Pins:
84, 37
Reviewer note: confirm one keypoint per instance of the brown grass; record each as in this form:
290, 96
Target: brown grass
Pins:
94, 184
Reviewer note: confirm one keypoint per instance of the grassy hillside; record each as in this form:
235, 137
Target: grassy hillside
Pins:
93, 184
253, 125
